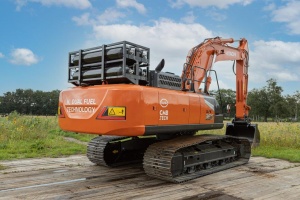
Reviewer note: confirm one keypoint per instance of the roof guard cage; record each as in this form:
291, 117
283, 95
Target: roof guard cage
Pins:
121, 62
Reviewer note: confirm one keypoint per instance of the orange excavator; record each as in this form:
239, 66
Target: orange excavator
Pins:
155, 117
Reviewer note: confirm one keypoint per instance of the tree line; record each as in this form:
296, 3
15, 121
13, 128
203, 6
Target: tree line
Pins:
267, 103
30, 102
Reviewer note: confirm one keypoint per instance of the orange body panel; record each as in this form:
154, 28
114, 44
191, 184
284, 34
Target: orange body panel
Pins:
83, 108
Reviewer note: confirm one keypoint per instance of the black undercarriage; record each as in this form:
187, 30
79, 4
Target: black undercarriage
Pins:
176, 160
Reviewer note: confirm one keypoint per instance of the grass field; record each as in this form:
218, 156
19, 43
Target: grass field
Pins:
31, 136
279, 140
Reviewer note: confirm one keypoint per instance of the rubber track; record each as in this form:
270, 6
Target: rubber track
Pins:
95, 149
158, 157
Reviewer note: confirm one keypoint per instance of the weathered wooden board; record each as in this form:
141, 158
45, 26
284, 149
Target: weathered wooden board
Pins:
75, 177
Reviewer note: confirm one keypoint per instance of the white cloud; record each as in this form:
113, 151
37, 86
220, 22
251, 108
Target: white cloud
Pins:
270, 7
79, 4
221, 4
83, 20
278, 53
275, 59
22, 56
20, 4
132, 3
290, 15
189, 18
284, 76
1, 55
223, 82
216, 15
108, 16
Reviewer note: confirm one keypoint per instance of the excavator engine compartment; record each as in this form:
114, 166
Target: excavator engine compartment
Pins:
151, 116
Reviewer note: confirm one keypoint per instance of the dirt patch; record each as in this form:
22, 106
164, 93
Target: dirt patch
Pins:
2, 167
263, 173
212, 195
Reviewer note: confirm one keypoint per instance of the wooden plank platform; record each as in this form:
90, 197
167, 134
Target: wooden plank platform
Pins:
75, 177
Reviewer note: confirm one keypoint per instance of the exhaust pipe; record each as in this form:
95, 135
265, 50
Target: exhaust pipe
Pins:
244, 130
160, 66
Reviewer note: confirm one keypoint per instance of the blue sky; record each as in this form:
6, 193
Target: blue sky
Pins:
36, 36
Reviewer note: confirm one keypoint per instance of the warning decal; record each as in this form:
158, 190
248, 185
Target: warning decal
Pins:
116, 111
111, 112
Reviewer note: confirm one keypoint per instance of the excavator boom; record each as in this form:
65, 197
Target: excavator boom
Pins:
200, 61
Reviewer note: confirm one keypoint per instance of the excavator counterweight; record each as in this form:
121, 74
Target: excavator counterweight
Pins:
154, 117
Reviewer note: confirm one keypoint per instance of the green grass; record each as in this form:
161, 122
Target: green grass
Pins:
290, 154
78, 136
31, 136
279, 140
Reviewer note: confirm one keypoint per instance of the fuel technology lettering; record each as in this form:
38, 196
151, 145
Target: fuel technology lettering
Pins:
81, 109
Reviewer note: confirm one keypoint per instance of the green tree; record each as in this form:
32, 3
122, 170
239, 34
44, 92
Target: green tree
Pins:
8, 103
1, 106
276, 99
30, 102
268, 101
259, 102
227, 97
295, 109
